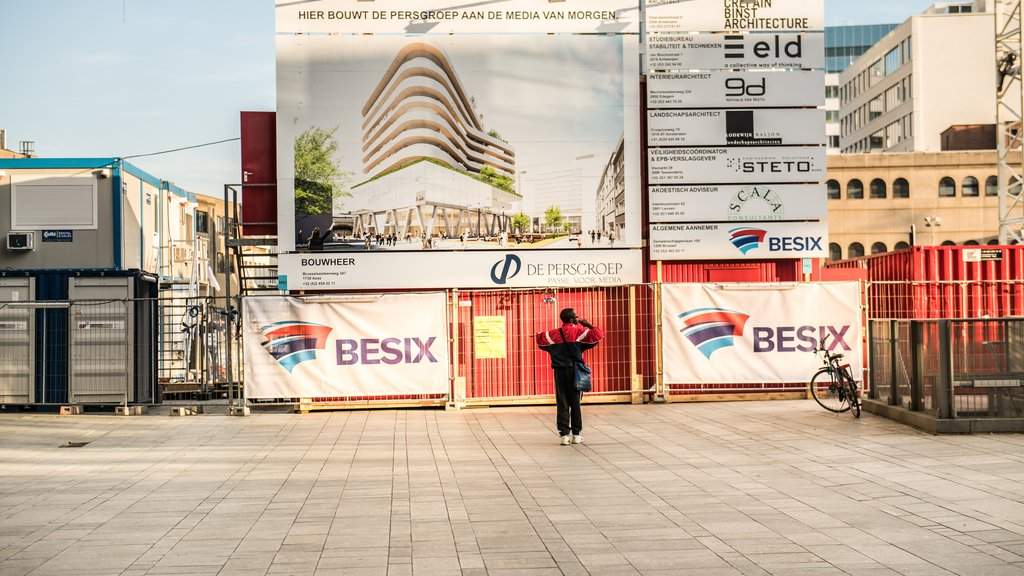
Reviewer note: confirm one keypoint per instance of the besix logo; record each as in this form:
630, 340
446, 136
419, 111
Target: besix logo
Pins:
746, 240
291, 342
511, 265
712, 329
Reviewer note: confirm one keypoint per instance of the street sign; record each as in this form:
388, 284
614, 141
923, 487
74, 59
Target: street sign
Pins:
726, 89
760, 241
737, 165
748, 203
736, 51
774, 127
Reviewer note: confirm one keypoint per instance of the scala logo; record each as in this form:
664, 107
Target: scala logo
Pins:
756, 196
711, 329
510, 268
292, 343
746, 240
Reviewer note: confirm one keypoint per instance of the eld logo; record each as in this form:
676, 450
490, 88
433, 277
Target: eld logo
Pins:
389, 351
292, 343
510, 268
776, 47
711, 329
746, 240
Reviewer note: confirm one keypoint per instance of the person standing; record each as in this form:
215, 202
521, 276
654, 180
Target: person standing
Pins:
566, 346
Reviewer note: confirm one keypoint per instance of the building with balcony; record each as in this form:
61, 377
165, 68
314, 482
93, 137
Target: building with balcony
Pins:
611, 194
934, 71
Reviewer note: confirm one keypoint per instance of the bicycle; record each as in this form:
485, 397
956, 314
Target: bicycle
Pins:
833, 386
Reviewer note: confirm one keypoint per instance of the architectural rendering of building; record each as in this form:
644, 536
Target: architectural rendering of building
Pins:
885, 202
420, 111
934, 71
611, 194
432, 167
843, 45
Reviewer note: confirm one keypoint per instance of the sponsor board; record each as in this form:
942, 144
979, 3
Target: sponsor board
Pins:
734, 15
371, 345
736, 51
732, 203
58, 235
774, 127
476, 269
756, 334
718, 88
739, 241
982, 254
736, 165
444, 17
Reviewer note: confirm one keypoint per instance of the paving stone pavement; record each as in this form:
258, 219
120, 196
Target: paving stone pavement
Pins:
710, 489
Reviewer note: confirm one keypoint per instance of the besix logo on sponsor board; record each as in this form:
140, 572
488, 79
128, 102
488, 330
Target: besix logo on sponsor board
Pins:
746, 240
712, 329
291, 342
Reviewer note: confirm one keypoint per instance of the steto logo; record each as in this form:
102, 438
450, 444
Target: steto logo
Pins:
509, 269
292, 343
746, 240
711, 329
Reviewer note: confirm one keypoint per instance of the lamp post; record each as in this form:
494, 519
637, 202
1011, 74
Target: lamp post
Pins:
932, 223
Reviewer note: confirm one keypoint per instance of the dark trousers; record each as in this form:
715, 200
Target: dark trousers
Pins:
570, 417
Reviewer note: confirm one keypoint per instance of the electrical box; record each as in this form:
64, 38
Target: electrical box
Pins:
21, 241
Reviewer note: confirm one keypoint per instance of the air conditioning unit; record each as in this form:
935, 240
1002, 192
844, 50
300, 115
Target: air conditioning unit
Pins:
21, 241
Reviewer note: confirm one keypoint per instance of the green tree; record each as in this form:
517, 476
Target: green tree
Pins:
318, 178
491, 176
521, 223
553, 218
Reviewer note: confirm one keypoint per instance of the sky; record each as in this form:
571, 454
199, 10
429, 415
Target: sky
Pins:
126, 77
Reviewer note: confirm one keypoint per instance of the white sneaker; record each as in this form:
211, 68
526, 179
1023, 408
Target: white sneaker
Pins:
566, 440
577, 439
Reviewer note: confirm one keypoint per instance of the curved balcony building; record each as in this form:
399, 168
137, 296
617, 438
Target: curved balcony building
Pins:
420, 111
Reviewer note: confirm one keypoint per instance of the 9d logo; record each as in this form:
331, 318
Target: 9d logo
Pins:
739, 88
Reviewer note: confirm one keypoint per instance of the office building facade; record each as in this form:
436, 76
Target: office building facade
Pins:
843, 45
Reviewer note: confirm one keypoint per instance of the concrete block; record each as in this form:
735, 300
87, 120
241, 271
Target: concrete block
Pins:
130, 410
70, 410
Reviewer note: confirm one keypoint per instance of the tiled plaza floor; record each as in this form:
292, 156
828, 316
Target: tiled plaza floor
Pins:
713, 489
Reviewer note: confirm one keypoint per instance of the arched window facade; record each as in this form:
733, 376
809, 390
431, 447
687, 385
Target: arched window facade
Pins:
993, 242
901, 188
835, 252
902, 246
855, 189
879, 189
949, 243
856, 250
971, 243
834, 191
970, 188
947, 188
992, 186
879, 248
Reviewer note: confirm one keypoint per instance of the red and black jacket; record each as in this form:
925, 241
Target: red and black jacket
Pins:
561, 343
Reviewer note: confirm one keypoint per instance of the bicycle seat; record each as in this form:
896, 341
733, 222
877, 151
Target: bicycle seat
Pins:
836, 356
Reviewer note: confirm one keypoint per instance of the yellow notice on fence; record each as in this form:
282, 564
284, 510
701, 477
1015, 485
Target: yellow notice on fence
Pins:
489, 340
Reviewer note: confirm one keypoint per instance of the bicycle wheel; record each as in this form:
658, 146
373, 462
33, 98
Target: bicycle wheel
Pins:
830, 391
854, 398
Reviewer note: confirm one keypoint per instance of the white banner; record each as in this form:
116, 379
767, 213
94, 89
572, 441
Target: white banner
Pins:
760, 241
472, 269
734, 15
714, 89
772, 127
757, 334
383, 345
445, 17
737, 165
735, 51
751, 203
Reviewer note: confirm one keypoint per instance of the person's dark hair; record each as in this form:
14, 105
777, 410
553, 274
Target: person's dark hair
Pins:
568, 316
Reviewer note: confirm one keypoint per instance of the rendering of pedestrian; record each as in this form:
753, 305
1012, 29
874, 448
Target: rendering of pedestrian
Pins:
316, 240
592, 236
566, 346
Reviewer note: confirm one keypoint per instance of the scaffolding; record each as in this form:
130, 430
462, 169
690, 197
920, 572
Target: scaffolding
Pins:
1009, 110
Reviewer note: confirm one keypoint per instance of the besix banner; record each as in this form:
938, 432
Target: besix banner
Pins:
758, 333
353, 346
